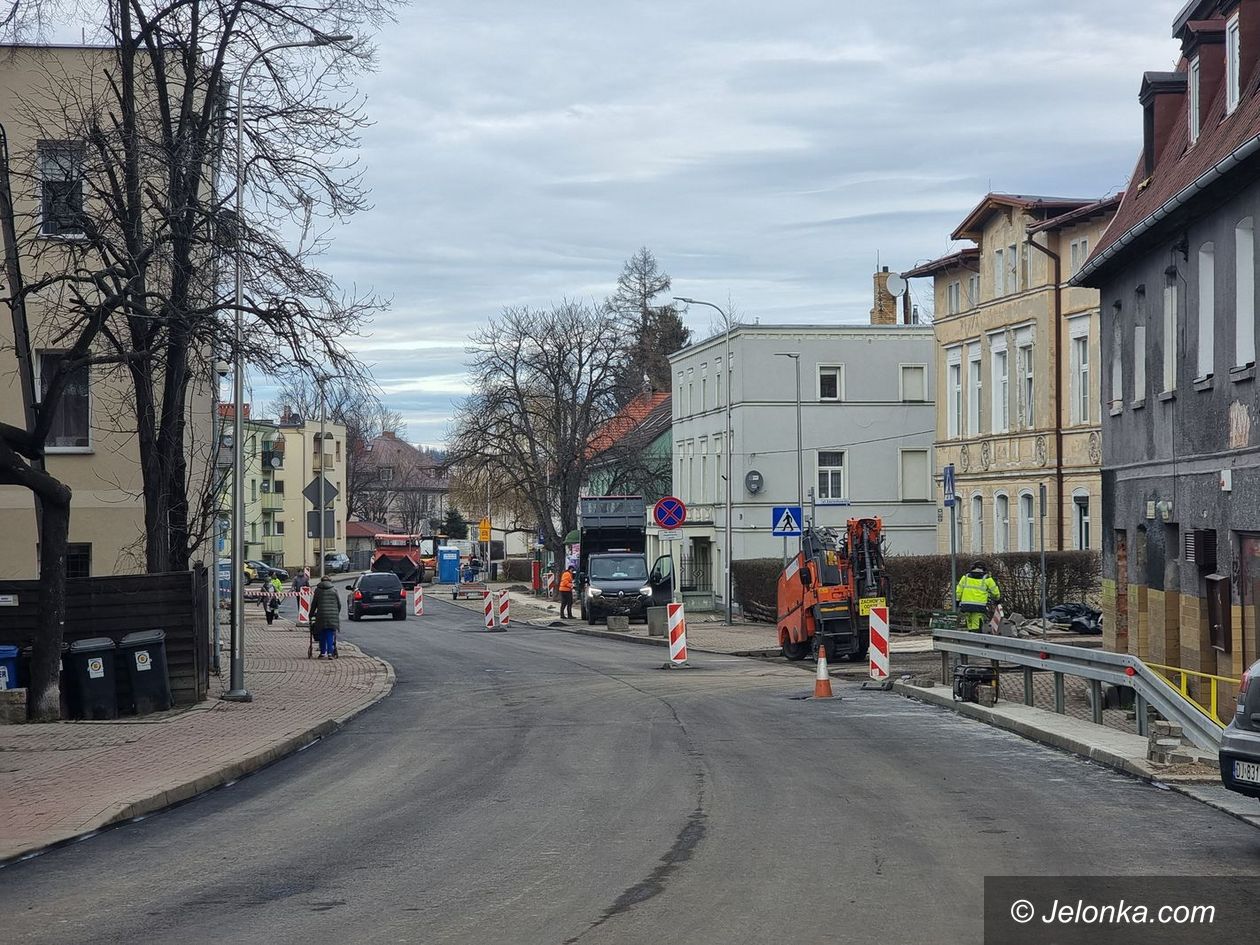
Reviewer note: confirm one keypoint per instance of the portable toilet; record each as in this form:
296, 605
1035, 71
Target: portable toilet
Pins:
448, 565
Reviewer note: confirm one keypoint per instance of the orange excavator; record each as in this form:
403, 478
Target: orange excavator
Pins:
827, 591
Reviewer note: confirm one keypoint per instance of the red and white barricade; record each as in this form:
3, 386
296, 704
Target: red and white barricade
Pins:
879, 644
677, 634
551, 585
489, 609
304, 607
505, 609
417, 601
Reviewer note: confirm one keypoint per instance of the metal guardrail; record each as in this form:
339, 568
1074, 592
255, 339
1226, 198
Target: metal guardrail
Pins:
1097, 666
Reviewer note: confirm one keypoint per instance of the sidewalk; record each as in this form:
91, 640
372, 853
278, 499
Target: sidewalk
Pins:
66, 779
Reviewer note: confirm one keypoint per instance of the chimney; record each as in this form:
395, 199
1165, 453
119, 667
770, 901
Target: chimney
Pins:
885, 310
1162, 96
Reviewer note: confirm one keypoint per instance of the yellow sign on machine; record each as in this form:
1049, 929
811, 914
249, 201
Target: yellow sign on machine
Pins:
484, 530
866, 603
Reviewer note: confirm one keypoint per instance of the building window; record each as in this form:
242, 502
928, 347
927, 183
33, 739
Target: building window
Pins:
1139, 363
1080, 519
277, 486
1207, 309
1170, 337
916, 484
70, 429
1194, 99
1117, 364
975, 390
831, 383
1001, 412
1027, 522
79, 560
704, 469
1025, 366
1012, 268
704, 393
718, 472
387, 474
61, 188
973, 290
914, 383
279, 526
999, 274
1001, 522
1245, 303
1080, 378
953, 395
1079, 250
977, 524
953, 297
1233, 70
831, 475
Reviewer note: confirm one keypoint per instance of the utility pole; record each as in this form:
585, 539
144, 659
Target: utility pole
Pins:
1043, 555
323, 468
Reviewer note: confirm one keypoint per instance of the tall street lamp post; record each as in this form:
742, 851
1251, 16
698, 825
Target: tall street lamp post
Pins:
237, 691
729, 437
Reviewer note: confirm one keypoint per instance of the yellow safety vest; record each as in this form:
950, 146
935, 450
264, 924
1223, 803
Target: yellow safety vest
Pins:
976, 591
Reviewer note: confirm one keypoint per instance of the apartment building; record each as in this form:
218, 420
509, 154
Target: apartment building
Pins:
92, 447
1177, 274
1016, 356
307, 452
867, 425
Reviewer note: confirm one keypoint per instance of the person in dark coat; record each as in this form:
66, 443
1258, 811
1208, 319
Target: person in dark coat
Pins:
326, 617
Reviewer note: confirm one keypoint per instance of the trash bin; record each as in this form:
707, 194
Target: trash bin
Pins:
9, 667
144, 655
90, 666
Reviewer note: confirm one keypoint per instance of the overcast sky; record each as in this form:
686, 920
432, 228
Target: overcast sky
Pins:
767, 153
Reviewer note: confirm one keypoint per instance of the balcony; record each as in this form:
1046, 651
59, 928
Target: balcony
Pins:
320, 465
272, 459
272, 501
273, 544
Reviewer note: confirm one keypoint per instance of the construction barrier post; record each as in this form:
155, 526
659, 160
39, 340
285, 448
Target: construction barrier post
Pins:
417, 601
304, 607
879, 667
677, 622
505, 609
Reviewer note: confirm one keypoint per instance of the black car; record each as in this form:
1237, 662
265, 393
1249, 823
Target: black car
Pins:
267, 571
379, 593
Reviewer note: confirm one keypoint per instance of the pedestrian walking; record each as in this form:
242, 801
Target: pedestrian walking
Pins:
303, 579
975, 594
325, 619
271, 605
566, 594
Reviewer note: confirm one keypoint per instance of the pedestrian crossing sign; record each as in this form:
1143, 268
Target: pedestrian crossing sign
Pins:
786, 521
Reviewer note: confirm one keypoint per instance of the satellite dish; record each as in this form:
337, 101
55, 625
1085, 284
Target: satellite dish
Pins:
276, 462
896, 285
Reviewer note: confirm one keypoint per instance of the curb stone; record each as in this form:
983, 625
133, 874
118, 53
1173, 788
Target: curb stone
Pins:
118, 814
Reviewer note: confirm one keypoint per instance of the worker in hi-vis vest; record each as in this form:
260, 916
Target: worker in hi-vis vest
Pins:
975, 594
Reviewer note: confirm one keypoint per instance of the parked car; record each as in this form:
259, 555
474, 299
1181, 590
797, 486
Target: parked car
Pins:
250, 574
336, 562
268, 571
377, 593
1240, 745
225, 572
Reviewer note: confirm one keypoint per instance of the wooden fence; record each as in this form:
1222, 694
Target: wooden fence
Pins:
115, 606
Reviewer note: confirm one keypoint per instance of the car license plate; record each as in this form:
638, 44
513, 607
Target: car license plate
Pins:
1248, 771
380, 597
866, 603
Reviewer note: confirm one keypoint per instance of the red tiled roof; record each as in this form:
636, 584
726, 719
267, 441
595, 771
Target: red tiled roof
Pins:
1181, 165
365, 529
968, 258
628, 419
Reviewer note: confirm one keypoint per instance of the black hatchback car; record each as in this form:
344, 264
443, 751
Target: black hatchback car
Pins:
377, 593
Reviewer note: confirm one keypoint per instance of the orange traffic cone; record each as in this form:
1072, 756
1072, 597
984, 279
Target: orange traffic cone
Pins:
822, 682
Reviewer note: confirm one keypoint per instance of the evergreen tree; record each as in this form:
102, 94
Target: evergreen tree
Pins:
651, 325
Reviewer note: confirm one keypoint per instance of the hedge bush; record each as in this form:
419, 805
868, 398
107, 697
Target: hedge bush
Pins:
517, 569
920, 583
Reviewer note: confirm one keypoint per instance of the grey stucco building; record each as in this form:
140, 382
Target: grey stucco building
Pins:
1177, 276
868, 422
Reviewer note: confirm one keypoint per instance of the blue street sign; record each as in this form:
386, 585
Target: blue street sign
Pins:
786, 521
948, 484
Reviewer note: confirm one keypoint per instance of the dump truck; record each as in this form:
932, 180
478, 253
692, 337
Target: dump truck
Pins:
613, 576
826, 592
401, 554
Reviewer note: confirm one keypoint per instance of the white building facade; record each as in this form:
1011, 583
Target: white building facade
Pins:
867, 427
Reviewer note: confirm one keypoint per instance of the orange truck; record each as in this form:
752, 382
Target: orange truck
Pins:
827, 591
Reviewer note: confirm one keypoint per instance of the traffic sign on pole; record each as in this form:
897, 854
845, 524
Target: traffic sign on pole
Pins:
312, 492
669, 513
785, 521
483, 530
947, 481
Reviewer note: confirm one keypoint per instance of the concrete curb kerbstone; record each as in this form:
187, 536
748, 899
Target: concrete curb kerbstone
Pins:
227, 773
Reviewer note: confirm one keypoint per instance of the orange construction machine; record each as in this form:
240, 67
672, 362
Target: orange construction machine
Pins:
827, 591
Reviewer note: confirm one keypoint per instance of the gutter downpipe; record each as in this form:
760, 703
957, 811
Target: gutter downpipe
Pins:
1058, 383
1171, 205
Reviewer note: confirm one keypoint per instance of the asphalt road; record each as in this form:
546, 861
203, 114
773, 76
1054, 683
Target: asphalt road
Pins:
539, 787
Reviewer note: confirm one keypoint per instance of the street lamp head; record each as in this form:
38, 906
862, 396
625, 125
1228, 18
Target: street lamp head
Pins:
679, 298
795, 355
324, 39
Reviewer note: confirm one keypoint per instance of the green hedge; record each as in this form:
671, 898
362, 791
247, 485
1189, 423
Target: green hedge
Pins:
920, 583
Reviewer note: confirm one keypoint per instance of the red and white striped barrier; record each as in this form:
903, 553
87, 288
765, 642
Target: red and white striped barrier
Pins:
304, 607
505, 609
417, 601
677, 634
551, 584
879, 644
489, 609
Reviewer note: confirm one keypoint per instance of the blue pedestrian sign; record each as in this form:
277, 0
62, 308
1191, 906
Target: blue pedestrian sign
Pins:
947, 481
786, 521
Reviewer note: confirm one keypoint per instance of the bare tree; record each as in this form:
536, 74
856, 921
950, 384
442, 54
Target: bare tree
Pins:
544, 381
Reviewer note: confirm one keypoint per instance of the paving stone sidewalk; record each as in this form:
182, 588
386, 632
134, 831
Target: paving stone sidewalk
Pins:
62, 780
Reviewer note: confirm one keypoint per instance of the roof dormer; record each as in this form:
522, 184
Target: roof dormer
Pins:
1161, 97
